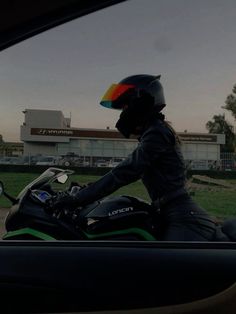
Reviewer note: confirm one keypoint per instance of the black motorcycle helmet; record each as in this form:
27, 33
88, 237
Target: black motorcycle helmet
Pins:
139, 97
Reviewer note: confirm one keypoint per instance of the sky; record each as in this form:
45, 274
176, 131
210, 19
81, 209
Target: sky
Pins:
190, 43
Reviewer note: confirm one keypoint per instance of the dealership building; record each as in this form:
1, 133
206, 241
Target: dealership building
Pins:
48, 132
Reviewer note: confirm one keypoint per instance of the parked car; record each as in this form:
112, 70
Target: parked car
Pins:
114, 162
5, 161
70, 159
101, 163
227, 164
9, 160
47, 161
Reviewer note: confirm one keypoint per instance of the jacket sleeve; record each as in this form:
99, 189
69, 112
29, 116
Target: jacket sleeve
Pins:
128, 171
145, 155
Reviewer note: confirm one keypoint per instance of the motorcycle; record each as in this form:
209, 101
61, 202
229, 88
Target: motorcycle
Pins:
124, 218
31, 216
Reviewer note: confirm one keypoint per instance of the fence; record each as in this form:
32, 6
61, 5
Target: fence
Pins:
227, 162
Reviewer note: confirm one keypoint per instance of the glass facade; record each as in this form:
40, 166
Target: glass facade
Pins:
105, 148
97, 148
199, 151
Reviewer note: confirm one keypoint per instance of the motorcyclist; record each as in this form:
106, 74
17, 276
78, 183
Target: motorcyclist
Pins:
157, 161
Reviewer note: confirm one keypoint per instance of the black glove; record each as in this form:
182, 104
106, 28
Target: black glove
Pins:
72, 184
64, 201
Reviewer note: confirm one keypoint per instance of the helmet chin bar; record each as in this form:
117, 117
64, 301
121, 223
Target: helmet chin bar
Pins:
123, 129
135, 116
127, 126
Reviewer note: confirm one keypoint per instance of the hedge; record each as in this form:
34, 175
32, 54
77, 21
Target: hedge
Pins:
99, 171
40, 169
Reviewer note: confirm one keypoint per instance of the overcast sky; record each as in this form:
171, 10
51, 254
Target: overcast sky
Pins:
190, 43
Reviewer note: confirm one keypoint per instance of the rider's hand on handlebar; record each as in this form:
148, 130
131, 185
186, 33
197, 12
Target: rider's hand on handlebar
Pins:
60, 202
68, 200
64, 201
76, 184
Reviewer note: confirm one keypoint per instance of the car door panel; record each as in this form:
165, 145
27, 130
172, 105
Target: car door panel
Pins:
106, 276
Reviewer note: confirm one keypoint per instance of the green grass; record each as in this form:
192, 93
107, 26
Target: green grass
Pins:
220, 203
14, 183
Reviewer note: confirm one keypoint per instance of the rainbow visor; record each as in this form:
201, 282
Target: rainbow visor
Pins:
114, 94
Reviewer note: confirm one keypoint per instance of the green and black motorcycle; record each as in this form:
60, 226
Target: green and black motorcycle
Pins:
112, 218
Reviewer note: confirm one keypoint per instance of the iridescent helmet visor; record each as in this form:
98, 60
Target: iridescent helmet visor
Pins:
113, 97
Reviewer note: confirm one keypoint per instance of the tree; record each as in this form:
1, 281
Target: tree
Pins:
4, 147
220, 125
230, 103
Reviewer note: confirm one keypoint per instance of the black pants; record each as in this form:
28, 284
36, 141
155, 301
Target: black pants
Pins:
183, 220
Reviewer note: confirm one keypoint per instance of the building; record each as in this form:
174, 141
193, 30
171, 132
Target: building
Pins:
10, 148
48, 132
202, 151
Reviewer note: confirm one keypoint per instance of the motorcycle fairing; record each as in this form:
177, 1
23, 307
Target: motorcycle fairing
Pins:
27, 234
115, 216
132, 233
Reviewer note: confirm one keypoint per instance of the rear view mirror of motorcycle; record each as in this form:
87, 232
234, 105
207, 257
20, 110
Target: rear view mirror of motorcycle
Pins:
1, 188
62, 179
2, 192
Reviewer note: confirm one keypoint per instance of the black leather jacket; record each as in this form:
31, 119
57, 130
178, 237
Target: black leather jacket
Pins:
157, 161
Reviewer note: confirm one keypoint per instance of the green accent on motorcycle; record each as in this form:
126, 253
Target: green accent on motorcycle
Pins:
144, 234
28, 231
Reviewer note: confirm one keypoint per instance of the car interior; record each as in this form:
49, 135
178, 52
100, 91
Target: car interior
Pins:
102, 276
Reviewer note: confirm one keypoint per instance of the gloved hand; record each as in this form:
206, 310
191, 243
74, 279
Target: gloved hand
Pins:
75, 187
64, 201
72, 184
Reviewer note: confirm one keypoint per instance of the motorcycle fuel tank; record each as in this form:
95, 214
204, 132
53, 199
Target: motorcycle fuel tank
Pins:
115, 214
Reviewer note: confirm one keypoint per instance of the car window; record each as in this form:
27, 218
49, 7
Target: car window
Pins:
57, 142
51, 86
